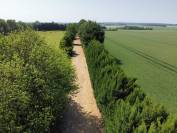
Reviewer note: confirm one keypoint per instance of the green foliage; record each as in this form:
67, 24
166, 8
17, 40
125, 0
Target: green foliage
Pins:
89, 30
72, 29
136, 28
125, 108
170, 126
3, 26
82, 21
11, 25
34, 83
67, 41
50, 26
141, 128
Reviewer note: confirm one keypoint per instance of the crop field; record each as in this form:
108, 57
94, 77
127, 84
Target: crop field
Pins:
151, 57
52, 37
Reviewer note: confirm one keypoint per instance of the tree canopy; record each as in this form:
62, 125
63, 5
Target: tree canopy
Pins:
48, 26
7, 26
89, 30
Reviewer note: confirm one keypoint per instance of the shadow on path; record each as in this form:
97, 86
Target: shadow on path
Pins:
74, 54
77, 44
77, 121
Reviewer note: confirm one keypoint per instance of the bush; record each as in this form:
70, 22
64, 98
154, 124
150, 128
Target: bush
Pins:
72, 29
89, 30
125, 108
34, 83
67, 41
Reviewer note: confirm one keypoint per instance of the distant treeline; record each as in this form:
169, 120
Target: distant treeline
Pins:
128, 28
48, 26
112, 29
7, 26
136, 28
137, 24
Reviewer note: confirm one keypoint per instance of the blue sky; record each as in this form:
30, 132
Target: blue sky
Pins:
163, 11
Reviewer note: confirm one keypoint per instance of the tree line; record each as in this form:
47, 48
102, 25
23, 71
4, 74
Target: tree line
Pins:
7, 26
136, 28
128, 28
124, 106
48, 26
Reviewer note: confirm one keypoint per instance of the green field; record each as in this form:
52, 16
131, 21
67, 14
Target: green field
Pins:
52, 37
151, 57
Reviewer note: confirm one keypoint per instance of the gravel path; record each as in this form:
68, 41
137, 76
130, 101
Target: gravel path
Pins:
82, 115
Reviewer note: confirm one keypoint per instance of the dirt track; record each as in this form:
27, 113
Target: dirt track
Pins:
82, 115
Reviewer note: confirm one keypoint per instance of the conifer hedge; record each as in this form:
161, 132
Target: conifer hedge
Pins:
124, 106
34, 83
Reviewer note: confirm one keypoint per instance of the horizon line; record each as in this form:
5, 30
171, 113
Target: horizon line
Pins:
131, 22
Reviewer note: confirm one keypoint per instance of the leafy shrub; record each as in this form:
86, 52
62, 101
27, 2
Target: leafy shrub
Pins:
89, 30
34, 83
72, 29
67, 41
125, 108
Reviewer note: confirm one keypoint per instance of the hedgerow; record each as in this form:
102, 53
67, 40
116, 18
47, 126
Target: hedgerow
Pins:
34, 83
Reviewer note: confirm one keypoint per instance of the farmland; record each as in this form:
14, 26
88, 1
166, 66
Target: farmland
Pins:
151, 57
52, 37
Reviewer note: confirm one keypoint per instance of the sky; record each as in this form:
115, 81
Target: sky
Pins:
143, 11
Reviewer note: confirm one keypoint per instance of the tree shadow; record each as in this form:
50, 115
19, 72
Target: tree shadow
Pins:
74, 54
77, 121
118, 61
77, 44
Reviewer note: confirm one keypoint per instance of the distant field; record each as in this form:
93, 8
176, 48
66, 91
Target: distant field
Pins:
52, 37
151, 57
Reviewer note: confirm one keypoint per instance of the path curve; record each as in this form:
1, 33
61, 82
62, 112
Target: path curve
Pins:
82, 115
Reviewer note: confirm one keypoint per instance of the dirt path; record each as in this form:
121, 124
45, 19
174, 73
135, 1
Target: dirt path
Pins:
82, 115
